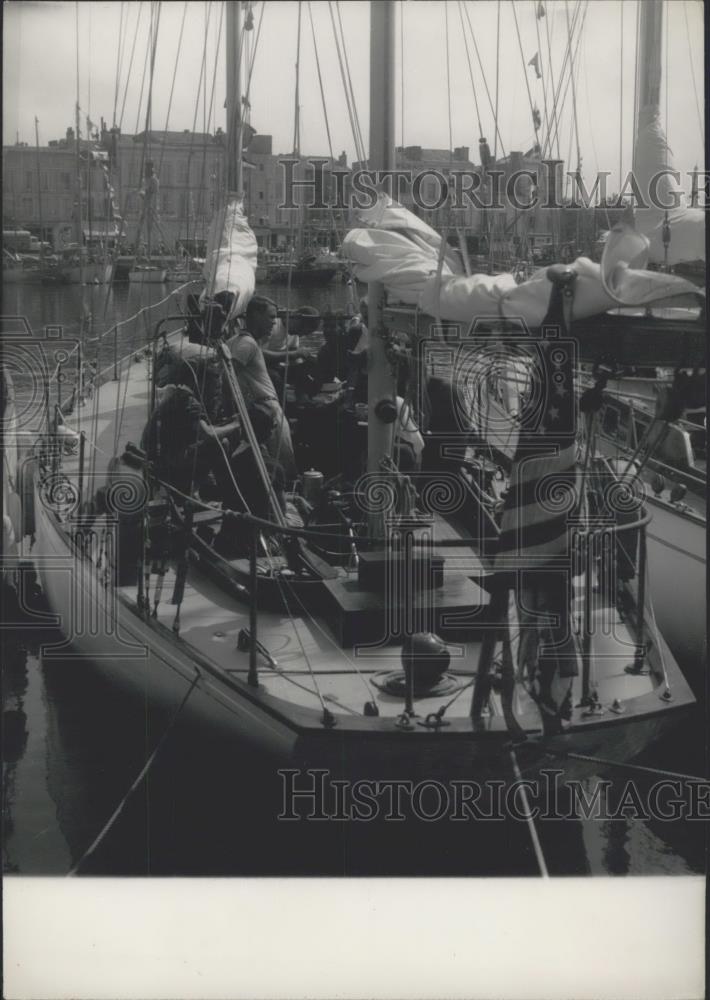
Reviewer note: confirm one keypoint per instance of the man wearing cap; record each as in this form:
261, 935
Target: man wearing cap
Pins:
254, 379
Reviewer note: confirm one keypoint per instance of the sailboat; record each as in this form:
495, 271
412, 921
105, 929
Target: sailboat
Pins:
387, 642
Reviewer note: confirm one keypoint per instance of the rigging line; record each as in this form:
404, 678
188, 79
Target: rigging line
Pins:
327, 127
202, 81
553, 135
130, 62
344, 66
636, 86
525, 70
401, 70
495, 138
348, 102
537, 847
252, 61
141, 775
666, 120
363, 153
76, 13
621, 94
296, 116
119, 53
574, 93
470, 71
485, 82
553, 122
88, 75
548, 126
548, 35
637, 768
560, 95
208, 119
320, 81
329, 639
701, 123
448, 80
172, 85
138, 113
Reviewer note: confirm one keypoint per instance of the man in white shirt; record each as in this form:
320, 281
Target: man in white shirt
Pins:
255, 381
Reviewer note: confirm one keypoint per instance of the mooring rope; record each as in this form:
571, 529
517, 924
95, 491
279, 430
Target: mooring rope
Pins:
537, 847
141, 775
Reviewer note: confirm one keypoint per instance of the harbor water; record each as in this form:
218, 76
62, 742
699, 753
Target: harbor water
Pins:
73, 747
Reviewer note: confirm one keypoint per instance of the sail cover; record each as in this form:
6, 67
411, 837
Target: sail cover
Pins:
230, 264
403, 253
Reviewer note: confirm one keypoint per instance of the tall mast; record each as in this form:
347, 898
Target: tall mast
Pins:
650, 40
39, 191
381, 384
78, 222
235, 128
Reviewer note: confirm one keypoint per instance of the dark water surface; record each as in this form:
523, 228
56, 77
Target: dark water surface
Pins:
73, 746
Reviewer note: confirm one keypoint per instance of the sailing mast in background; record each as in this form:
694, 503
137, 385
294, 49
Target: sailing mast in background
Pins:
381, 384
235, 126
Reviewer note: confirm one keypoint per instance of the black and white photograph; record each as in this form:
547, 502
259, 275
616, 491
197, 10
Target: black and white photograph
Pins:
353, 423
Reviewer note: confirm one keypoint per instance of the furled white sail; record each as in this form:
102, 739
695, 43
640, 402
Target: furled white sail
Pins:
406, 261
659, 190
230, 264
653, 172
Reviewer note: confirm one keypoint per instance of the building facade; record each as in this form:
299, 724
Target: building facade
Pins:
40, 189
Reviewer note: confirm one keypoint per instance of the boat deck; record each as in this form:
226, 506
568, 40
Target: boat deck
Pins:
309, 662
308, 659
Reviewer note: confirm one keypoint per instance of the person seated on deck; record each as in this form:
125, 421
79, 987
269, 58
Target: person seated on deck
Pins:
242, 487
331, 360
254, 380
283, 345
181, 443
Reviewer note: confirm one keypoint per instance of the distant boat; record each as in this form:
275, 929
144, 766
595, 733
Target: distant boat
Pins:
19, 270
311, 269
147, 274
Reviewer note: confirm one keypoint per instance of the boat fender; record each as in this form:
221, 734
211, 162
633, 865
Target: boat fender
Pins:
658, 484
425, 657
386, 411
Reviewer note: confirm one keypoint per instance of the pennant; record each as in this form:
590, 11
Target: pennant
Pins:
537, 120
535, 63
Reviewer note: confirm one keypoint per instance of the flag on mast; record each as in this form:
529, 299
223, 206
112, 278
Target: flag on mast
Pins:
535, 63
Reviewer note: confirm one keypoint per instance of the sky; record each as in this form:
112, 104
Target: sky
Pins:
40, 73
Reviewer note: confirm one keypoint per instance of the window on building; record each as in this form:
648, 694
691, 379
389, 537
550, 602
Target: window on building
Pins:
166, 203
66, 180
166, 173
183, 171
261, 196
28, 180
261, 167
28, 206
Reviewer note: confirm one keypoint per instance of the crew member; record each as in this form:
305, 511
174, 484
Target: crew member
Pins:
255, 381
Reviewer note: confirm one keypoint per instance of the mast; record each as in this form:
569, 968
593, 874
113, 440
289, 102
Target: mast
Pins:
381, 383
648, 89
78, 223
235, 128
39, 192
